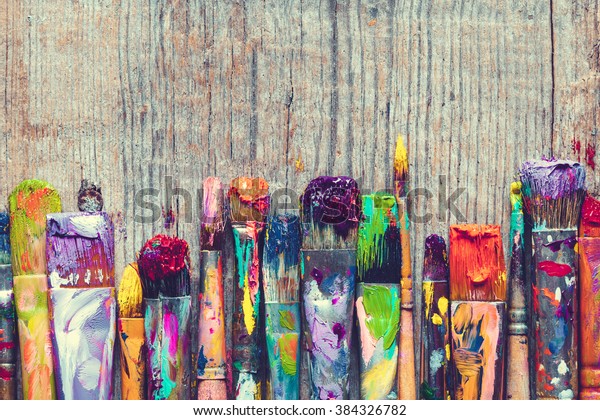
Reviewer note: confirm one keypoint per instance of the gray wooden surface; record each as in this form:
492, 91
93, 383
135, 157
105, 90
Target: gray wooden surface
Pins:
162, 93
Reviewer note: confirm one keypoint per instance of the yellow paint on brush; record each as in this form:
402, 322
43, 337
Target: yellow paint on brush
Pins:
130, 296
436, 319
427, 297
447, 351
377, 382
443, 305
401, 158
248, 308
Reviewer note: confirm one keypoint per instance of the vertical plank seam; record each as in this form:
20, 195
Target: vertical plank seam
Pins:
552, 72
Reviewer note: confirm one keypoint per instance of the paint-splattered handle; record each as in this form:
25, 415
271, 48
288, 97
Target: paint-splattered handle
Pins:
517, 370
8, 381
378, 315
133, 358
37, 368
406, 361
246, 312
554, 315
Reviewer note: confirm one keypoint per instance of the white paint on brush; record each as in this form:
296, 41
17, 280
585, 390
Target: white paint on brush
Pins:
88, 225
563, 368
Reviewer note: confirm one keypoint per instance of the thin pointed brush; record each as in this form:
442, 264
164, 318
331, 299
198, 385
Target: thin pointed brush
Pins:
589, 307
378, 296
29, 204
281, 283
435, 342
406, 363
553, 191
8, 343
81, 296
164, 267
477, 312
517, 376
330, 212
131, 335
249, 204
212, 356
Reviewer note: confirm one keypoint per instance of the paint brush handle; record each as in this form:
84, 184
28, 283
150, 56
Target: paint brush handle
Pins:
478, 331
435, 343
211, 365
555, 305
589, 374
37, 367
8, 336
328, 278
517, 381
133, 358
406, 363
247, 346
283, 349
378, 314
8, 381
167, 337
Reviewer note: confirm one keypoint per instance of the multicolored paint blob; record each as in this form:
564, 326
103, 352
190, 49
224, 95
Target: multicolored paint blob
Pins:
8, 337
35, 343
555, 323
80, 250
281, 283
328, 297
166, 324
83, 333
435, 344
478, 311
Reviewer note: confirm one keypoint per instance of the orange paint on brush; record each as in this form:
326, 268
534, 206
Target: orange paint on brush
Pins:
477, 263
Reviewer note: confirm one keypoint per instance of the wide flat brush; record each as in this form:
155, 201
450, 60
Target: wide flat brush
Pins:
517, 375
478, 312
406, 363
330, 212
553, 191
212, 351
589, 302
8, 333
378, 296
82, 303
131, 335
435, 342
249, 205
164, 267
29, 204
281, 283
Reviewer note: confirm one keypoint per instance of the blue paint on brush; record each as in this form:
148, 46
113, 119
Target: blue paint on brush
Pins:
4, 239
283, 236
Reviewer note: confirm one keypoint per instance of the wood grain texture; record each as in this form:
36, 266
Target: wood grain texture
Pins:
160, 94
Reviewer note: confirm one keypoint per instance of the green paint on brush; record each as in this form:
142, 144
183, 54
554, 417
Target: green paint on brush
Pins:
29, 204
382, 307
288, 344
380, 210
286, 320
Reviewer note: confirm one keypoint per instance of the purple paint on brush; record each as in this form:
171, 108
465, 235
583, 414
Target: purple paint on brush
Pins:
552, 178
436, 260
332, 201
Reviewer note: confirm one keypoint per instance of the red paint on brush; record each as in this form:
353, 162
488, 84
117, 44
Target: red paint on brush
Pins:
163, 256
169, 218
6, 345
5, 374
590, 154
554, 269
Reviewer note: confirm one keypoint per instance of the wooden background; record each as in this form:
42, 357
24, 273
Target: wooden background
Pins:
162, 93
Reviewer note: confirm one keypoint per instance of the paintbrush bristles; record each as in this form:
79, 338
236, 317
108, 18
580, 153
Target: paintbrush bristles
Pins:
401, 168
130, 296
435, 262
212, 225
553, 191
249, 200
378, 253
477, 269
330, 212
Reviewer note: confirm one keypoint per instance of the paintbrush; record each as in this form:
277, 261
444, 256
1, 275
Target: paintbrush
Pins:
82, 304
406, 363
517, 375
435, 343
29, 204
589, 292
8, 337
553, 191
330, 212
281, 284
164, 268
478, 311
378, 296
249, 204
212, 351
131, 335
